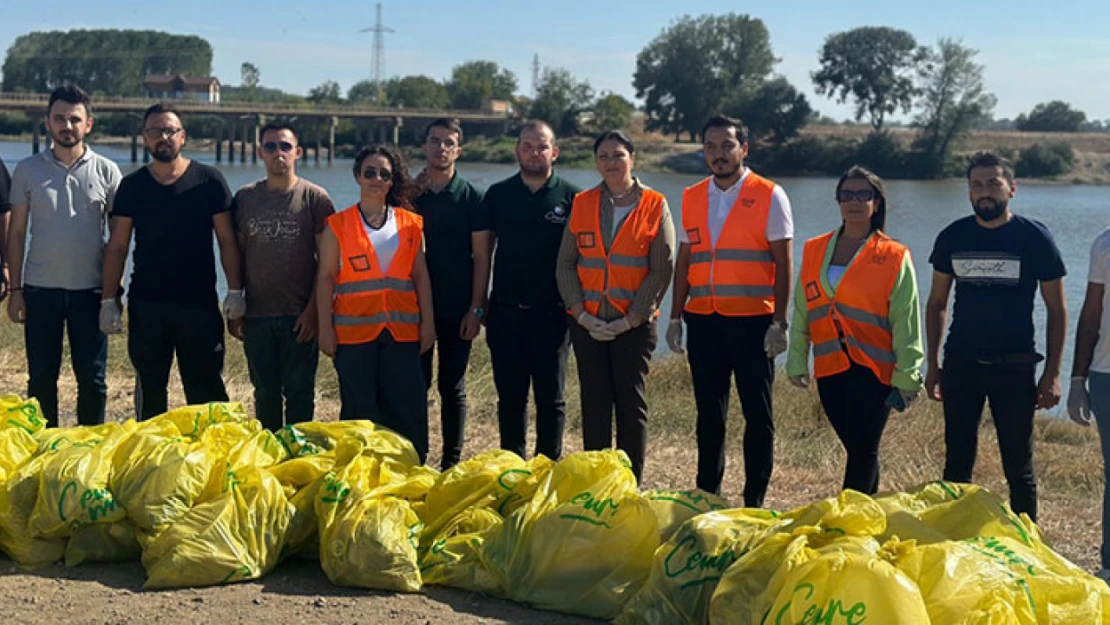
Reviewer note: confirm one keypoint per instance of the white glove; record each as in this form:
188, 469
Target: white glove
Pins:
674, 336
1079, 401
774, 342
801, 381
603, 335
589, 322
619, 326
111, 317
235, 306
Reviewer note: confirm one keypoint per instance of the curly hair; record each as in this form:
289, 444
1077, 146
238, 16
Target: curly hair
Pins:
403, 188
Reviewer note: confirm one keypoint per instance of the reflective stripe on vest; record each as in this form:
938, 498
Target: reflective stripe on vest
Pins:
366, 299
853, 325
736, 276
615, 275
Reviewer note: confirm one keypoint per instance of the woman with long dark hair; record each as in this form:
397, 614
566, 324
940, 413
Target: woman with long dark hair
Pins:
375, 299
856, 302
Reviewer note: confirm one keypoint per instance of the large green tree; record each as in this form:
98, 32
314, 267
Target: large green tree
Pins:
776, 111
873, 66
327, 92
364, 92
249, 77
697, 66
560, 99
474, 82
1055, 116
417, 92
953, 99
611, 111
111, 62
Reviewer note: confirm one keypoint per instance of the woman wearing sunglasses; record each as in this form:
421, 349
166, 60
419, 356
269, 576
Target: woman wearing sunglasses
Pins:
375, 299
615, 262
856, 302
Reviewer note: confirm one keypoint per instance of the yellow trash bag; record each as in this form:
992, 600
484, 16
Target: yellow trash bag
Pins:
301, 479
949, 511
475, 483
17, 498
583, 544
672, 508
195, 419
259, 449
523, 484
315, 437
103, 542
686, 569
962, 585
850, 513
841, 587
237, 535
26, 415
371, 542
454, 557
16, 448
74, 470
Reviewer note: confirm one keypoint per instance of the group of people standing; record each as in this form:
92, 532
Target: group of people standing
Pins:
405, 273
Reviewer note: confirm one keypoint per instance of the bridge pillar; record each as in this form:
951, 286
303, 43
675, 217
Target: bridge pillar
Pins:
331, 139
146, 154
220, 142
319, 140
35, 135
230, 143
135, 130
243, 144
397, 122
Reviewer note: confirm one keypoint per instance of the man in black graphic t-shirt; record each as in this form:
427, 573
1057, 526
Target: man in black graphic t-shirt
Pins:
997, 261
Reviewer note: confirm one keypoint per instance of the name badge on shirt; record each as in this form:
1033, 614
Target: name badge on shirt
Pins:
987, 268
694, 234
360, 262
812, 291
587, 240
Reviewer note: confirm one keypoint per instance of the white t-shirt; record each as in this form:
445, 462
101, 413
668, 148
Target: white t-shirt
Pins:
780, 221
385, 239
620, 213
1099, 273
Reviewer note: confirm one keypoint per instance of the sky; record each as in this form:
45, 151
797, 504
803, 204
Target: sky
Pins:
1033, 51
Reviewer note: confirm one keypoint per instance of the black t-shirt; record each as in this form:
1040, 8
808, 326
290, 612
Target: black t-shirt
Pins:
529, 229
174, 259
5, 188
450, 217
997, 272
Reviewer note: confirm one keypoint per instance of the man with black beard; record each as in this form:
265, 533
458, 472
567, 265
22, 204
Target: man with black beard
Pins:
62, 196
456, 238
172, 205
997, 260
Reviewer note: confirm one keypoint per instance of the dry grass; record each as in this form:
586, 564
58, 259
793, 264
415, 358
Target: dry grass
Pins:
809, 460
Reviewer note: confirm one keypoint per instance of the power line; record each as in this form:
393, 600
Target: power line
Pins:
377, 61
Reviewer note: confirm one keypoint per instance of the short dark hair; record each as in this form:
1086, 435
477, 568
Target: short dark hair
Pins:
990, 158
71, 94
404, 189
158, 109
856, 172
723, 121
537, 125
447, 123
276, 126
614, 135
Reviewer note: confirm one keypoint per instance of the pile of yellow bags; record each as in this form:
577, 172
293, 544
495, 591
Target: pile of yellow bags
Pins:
202, 495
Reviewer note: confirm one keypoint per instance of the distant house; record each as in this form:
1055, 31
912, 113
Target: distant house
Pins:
179, 87
498, 107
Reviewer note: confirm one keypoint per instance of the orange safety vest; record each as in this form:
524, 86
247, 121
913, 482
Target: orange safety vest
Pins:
615, 275
854, 324
735, 277
368, 300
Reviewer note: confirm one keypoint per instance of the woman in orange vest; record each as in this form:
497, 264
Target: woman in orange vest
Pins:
615, 261
856, 303
375, 300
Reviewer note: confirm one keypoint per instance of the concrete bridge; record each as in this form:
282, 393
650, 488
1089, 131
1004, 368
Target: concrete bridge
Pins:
316, 123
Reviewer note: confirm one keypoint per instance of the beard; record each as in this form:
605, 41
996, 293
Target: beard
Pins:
165, 152
66, 141
542, 169
730, 172
989, 209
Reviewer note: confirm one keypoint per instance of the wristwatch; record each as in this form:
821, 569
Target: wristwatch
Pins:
479, 312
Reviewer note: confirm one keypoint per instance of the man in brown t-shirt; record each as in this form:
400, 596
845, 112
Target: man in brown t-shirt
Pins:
279, 221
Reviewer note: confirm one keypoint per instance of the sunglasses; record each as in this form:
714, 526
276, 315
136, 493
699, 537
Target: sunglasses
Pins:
370, 173
274, 146
161, 133
862, 195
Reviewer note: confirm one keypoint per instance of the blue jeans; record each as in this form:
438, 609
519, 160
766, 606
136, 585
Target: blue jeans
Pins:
1100, 405
281, 370
50, 312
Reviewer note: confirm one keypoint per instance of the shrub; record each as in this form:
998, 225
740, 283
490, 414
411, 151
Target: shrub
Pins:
1045, 160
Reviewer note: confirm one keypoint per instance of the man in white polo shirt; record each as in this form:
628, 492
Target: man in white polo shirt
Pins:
64, 195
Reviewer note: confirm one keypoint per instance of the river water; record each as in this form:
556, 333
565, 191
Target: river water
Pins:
917, 210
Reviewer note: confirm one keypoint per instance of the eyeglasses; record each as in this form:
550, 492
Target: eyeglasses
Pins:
162, 133
370, 173
447, 144
862, 195
274, 146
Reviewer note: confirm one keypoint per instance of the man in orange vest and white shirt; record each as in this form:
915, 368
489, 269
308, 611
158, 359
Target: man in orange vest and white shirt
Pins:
732, 286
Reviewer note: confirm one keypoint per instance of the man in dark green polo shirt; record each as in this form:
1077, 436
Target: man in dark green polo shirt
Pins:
527, 326
456, 239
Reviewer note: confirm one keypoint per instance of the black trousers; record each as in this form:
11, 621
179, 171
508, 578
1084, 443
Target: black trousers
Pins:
529, 347
613, 375
156, 332
454, 355
50, 314
855, 403
383, 381
1012, 391
720, 348
282, 371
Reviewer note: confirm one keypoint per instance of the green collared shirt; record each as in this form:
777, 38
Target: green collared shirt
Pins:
451, 216
905, 322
